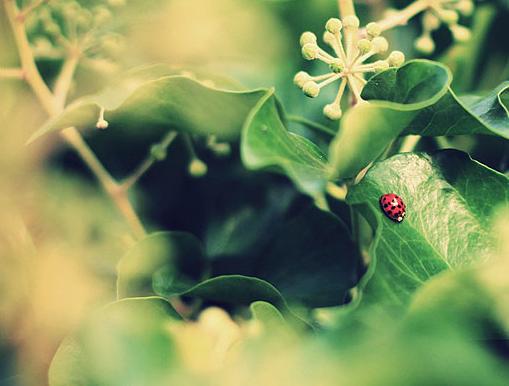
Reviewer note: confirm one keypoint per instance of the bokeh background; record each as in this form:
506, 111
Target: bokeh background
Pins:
61, 237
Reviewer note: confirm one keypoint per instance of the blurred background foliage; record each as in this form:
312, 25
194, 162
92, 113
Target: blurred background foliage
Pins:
61, 238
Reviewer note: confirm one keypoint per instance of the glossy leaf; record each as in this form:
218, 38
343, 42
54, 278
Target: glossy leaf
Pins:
413, 99
154, 97
127, 342
266, 143
450, 202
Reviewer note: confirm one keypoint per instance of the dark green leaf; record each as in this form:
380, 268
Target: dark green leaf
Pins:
412, 99
266, 143
154, 97
450, 202
179, 254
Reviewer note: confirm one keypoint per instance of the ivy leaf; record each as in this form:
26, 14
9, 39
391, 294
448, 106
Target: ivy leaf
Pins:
127, 342
154, 97
266, 143
413, 99
179, 254
450, 203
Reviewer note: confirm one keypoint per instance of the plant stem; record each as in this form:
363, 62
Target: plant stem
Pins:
29, 8
346, 8
30, 70
53, 106
148, 162
64, 80
11, 73
402, 17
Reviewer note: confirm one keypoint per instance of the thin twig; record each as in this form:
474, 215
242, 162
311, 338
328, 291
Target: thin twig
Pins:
402, 17
52, 107
148, 162
64, 80
29, 8
346, 8
11, 73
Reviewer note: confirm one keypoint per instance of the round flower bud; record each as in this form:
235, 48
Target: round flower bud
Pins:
332, 111
466, 7
373, 29
396, 58
337, 66
310, 51
197, 168
102, 124
380, 44
102, 15
351, 22
301, 78
307, 37
311, 89
333, 25
381, 65
460, 33
430, 22
364, 46
425, 44
158, 152
52, 28
449, 16
329, 38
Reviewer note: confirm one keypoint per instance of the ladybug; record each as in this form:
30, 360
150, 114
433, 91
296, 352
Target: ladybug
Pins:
393, 207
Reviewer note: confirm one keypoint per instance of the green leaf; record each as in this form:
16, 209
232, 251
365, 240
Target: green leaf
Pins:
267, 314
154, 97
450, 202
312, 260
179, 254
127, 342
413, 99
266, 143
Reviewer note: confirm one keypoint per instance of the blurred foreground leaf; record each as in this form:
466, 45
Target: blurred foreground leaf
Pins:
125, 343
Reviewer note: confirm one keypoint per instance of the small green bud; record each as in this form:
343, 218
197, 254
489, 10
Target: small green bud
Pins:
102, 15
425, 44
466, 7
351, 21
102, 124
311, 89
310, 51
396, 58
380, 44
364, 46
197, 168
158, 152
430, 22
381, 65
333, 25
337, 66
329, 38
301, 78
460, 33
51, 28
306, 38
449, 16
373, 29
332, 111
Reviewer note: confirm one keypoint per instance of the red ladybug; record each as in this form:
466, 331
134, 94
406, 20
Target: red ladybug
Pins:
393, 207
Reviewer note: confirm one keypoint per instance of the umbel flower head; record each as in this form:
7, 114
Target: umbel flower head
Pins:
348, 65
445, 12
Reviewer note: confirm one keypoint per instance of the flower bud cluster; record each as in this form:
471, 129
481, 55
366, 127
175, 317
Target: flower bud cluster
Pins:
444, 12
61, 26
349, 62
